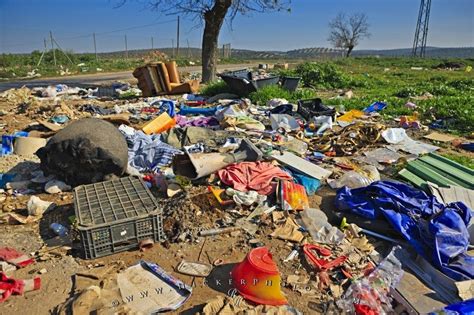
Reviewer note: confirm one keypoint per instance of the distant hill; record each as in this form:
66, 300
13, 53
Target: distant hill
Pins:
435, 52
306, 53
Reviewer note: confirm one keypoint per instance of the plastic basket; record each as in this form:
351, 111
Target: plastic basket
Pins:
114, 216
314, 107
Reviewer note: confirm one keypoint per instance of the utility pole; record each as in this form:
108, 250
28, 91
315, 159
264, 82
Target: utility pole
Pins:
52, 47
152, 47
177, 39
172, 46
189, 49
126, 48
44, 51
95, 48
62, 50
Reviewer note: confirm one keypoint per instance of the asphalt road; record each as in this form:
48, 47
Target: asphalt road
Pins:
95, 79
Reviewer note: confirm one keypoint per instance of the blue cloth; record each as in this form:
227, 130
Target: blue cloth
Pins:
311, 184
147, 153
5, 178
468, 146
165, 106
437, 232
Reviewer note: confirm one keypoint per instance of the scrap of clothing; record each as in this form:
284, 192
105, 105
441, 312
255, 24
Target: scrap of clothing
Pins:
256, 176
147, 153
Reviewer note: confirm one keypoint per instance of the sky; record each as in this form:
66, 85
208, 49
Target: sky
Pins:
25, 24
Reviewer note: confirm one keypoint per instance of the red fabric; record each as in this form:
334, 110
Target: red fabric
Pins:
15, 257
361, 309
247, 176
9, 286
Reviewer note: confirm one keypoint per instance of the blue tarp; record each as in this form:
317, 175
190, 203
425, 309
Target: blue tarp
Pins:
438, 232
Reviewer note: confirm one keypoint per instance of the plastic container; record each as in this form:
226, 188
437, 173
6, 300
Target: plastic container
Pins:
239, 85
243, 83
260, 83
114, 216
161, 123
257, 278
314, 107
28, 145
290, 83
59, 229
188, 110
355, 179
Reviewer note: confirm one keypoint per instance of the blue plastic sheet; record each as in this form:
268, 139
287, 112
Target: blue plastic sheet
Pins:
438, 232
187, 110
461, 308
375, 107
7, 142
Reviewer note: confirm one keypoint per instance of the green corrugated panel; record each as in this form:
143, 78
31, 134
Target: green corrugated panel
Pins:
463, 168
428, 173
454, 172
412, 178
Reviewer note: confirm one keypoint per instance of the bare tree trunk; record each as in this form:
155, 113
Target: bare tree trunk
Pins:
349, 50
213, 20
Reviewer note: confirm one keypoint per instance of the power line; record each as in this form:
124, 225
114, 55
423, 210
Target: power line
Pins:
136, 27
90, 34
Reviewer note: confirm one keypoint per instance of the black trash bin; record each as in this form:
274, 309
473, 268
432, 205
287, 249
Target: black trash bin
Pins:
290, 83
243, 83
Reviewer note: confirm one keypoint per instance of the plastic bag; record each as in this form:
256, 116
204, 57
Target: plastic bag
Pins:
284, 121
353, 179
369, 295
316, 222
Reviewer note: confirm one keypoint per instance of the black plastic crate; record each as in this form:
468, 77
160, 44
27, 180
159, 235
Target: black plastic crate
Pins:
314, 107
114, 216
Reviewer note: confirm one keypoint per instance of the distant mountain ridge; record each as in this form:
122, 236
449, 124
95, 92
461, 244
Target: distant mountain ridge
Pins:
308, 53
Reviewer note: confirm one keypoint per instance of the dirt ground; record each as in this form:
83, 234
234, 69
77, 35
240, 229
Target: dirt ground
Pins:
62, 264
58, 260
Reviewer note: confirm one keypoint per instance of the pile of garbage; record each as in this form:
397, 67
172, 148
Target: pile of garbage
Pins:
149, 172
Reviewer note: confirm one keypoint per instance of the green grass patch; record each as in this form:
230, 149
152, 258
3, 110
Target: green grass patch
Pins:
215, 87
461, 159
263, 95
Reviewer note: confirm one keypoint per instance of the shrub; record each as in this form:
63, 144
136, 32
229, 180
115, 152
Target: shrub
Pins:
322, 75
263, 95
214, 88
